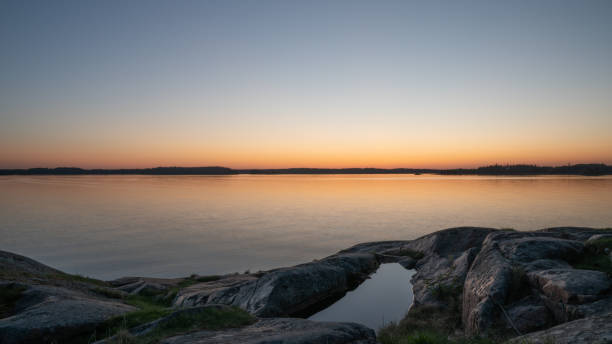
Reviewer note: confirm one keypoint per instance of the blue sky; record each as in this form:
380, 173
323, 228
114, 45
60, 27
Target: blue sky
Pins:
288, 83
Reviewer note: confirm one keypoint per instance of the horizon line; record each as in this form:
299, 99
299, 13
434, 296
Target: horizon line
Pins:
496, 169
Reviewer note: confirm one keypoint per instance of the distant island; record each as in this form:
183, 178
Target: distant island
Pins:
492, 170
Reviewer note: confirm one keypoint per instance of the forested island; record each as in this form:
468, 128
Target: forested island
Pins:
493, 170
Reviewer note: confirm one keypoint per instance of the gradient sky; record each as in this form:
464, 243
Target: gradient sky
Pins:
304, 83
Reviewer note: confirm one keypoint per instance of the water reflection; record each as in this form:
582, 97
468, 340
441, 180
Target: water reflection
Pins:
113, 226
384, 297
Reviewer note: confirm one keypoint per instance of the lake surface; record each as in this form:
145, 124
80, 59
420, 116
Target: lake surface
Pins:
113, 226
385, 297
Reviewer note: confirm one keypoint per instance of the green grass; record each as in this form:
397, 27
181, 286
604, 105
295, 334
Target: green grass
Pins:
79, 278
430, 319
165, 298
392, 336
599, 262
432, 324
205, 319
594, 256
599, 245
108, 292
446, 291
157, 305
20, 275
148, 310
9, 294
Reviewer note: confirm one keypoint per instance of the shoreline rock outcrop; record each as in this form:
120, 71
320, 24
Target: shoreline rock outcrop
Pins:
286, 291
47, 305
282, 330
479, 281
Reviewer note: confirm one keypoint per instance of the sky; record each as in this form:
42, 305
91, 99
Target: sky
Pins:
273, 84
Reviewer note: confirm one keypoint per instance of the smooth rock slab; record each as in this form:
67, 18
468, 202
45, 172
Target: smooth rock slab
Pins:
505, 254
529, 248
486, 287
591, 330
145, 285
55, 314
283, 331
571, 286
18, 267
546, 264
199, 293
289, 291
529, 314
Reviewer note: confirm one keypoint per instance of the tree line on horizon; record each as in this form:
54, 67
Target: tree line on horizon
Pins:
521, 169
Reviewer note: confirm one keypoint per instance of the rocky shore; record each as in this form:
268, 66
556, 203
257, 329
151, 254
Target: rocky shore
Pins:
547, 286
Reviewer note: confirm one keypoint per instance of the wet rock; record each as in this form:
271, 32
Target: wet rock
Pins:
597, 329
290, 291
571, 286
283, 331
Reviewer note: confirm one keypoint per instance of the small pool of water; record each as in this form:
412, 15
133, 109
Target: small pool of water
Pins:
384, 297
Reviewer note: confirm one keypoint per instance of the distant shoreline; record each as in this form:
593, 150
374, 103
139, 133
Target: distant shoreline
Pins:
493, 170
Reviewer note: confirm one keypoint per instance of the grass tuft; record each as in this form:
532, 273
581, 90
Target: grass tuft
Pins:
154, 306
109, 292
193, 279
595, 257
9, 294
390, 335
446, 291
79, 278
205, 319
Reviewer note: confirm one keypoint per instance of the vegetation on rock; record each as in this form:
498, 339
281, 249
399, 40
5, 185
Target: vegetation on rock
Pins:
209, 318
596, 256
9, 294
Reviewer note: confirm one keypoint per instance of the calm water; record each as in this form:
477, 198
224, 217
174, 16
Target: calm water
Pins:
112, 226
383, 298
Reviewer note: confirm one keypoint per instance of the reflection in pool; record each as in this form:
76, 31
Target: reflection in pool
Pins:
384, 297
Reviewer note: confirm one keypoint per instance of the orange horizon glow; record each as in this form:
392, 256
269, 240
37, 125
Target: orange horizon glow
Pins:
306, 84
393, 152
322, 162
